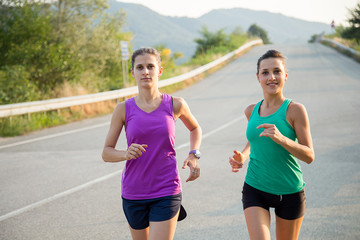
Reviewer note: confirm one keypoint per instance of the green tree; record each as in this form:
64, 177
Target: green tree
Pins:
95, 37
256, 31
210, 40
26, 40
59, 41
353, 32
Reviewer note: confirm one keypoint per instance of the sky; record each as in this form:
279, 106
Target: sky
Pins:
311, 10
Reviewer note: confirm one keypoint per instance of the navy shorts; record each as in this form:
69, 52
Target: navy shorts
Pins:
289, 206
139, 213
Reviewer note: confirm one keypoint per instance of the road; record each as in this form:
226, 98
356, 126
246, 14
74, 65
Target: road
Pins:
54, 185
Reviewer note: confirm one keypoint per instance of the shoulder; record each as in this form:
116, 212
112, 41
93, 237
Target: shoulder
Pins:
180, 107
249, 109
296, 112
296, 109
119, 111
178, 100
178, 103
120, 106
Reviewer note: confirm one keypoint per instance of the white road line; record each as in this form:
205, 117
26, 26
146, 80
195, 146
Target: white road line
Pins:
88, 184
54, 135
223, 126
57, 196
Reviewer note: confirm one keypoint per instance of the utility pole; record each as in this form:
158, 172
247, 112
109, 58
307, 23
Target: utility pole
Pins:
124, 61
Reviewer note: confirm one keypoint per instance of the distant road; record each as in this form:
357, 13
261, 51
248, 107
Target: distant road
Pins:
54, 185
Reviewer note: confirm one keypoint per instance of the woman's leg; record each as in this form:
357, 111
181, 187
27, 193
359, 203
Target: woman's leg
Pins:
142, 234
293, 208
164, 230
258, 223
288, 229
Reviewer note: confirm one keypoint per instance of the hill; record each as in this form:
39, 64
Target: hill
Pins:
178, 33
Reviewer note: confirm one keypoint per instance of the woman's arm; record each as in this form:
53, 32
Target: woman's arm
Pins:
238, 159
298, 119
182, 111
110, 154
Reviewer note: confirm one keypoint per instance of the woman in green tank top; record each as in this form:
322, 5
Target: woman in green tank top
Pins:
278, 134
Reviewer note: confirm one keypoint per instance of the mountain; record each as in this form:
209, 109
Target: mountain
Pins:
178, 33
150, 28
280, 28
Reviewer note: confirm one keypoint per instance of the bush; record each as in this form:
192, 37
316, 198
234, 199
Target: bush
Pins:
15, 85
214, 44
256, 31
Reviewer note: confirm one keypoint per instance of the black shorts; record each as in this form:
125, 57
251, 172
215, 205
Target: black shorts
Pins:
139, 213
289, 206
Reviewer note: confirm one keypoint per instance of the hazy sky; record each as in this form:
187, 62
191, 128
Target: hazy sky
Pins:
312, 10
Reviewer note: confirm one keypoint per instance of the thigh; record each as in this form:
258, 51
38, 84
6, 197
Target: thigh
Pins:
289, 216
256, 210
142, 234
163, 217
258, 222
164, 230
288, 229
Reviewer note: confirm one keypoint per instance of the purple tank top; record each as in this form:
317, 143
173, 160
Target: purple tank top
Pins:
154, 174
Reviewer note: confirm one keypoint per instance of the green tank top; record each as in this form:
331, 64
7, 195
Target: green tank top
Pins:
272, 168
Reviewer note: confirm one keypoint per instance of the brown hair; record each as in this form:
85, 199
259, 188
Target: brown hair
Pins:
271, 54
145, 50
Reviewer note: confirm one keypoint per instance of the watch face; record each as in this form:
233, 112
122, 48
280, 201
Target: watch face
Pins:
196, 153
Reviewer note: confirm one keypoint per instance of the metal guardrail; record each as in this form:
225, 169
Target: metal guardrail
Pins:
339, 45
9, 110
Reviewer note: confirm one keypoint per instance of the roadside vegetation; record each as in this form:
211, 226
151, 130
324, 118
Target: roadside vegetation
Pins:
61, 48
348, 36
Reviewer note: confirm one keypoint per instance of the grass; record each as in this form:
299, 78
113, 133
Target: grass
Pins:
19, 125
22, 124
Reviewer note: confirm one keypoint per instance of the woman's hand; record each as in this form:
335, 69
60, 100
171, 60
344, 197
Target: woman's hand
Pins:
271, 131
193, 164
236, 161
135, 150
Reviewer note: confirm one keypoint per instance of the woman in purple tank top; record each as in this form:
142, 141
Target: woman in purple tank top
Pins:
151, 186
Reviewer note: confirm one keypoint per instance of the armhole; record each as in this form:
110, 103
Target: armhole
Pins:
126, 115
287, 107
172, 107
286, 114
252, 112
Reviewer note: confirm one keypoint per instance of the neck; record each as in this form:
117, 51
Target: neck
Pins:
273, 100
149, 95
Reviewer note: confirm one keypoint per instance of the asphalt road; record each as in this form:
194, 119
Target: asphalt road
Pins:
54, 185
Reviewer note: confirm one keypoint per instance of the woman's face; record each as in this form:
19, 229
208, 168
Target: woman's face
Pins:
146, 70
272, 75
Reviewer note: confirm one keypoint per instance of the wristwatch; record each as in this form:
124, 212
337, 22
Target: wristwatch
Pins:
196, 153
